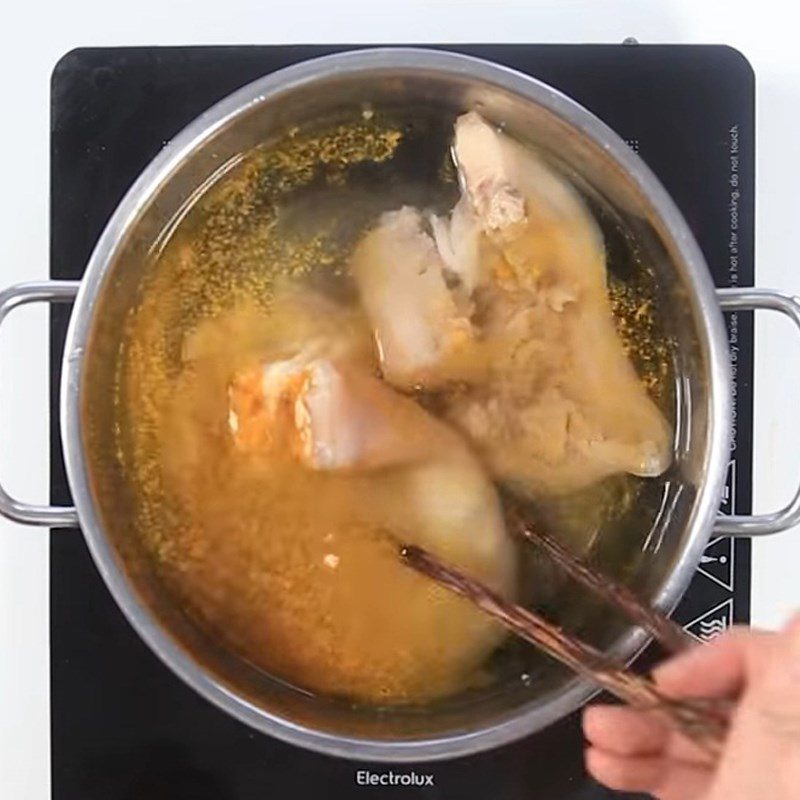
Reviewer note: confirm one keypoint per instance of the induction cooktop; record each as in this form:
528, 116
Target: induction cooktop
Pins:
123, 726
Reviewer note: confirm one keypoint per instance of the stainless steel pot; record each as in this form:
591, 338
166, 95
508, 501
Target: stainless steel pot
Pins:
599, 160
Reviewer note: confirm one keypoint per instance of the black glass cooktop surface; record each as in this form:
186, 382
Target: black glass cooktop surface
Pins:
123, 726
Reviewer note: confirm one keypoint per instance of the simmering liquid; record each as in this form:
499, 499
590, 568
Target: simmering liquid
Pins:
296, 570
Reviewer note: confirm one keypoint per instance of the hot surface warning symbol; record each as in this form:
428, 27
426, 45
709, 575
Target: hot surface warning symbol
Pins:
711, 624
717, 560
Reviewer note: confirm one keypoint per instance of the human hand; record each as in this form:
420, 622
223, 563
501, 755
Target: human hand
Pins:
636, 751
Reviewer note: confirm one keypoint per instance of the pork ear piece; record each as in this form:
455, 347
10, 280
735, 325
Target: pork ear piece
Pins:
589, 415
507, 296
413, 468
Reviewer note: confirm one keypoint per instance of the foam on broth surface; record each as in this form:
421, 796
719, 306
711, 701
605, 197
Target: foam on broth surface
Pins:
267, 556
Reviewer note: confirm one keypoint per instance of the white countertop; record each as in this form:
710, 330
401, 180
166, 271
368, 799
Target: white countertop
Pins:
36, 34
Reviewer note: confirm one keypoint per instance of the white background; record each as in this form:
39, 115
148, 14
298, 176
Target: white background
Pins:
35, 35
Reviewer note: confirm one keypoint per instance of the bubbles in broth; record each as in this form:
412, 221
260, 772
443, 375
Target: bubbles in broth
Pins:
278, 534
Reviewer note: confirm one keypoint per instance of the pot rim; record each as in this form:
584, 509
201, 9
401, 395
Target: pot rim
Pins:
546, 710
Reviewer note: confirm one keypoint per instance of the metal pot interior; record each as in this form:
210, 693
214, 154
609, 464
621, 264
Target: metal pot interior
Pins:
657, 561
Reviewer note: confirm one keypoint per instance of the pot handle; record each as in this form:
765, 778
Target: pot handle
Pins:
11, 298
746, 299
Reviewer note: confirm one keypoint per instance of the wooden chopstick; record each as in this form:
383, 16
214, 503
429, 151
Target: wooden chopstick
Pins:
668, 633
706, 727
671, 636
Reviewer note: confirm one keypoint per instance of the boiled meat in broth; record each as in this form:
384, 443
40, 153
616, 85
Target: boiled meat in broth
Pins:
399, 470
548, 396
421, 324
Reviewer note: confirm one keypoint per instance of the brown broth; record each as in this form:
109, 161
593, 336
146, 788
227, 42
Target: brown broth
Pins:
267, 556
